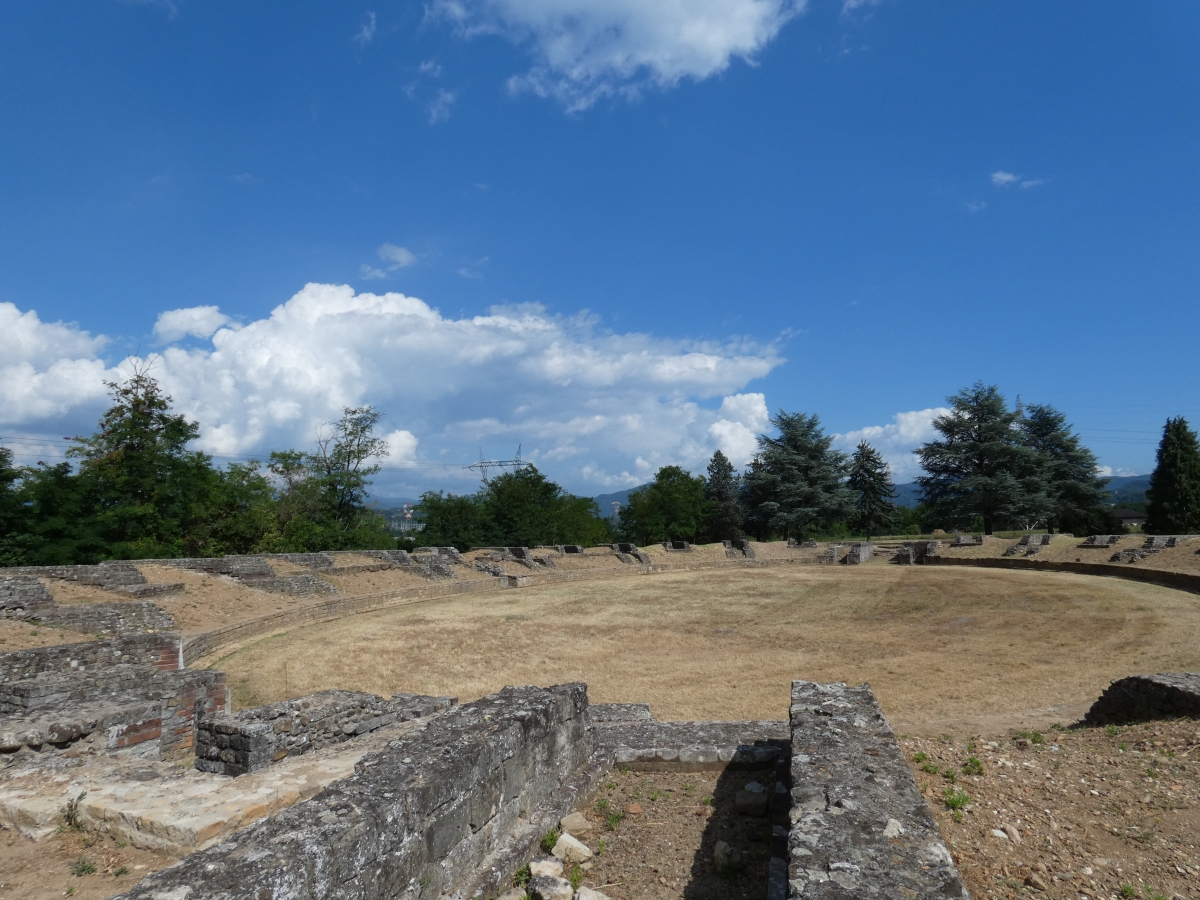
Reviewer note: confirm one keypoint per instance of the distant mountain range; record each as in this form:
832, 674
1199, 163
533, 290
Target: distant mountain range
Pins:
1122, 489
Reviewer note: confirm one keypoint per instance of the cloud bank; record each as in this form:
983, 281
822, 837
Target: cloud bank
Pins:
587, 49
593, 408
897, 440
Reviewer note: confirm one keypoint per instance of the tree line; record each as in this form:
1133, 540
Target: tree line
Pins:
133, 490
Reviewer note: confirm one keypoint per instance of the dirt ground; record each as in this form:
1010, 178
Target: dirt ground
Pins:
1096, 812
666, 849
15, 635
210, 601
960, 650
47, 869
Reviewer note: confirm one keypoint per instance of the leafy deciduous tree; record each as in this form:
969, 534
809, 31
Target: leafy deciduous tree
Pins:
670, 508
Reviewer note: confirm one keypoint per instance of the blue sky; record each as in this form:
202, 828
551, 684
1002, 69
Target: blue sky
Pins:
615, 233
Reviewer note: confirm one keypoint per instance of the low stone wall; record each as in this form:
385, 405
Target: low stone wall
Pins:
1140, 698
650, 745
106, 618
255, 738
1178, 580
125, 706
160, 651
450, 811
859, 825
18, 593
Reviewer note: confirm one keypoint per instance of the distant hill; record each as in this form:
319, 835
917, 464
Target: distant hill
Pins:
605, 501
1122, 490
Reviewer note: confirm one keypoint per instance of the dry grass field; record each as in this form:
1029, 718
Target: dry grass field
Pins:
946, 650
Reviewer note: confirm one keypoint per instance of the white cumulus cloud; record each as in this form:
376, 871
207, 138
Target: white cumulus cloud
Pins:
1004, 179
194, 321
593, 408
46, 368
897, 440
586, 49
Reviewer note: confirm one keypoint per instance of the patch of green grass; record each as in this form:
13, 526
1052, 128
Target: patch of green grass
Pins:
707, 801
1034, 737
82, 866
549, 839
521, 876
122, 870
1122, 747
688, 787
1110, 730
929, 769
1128, 890
955, 799
576, 877
601, 847
973, 766
601, 805
950, 776
655, 794
612, 820
920, 756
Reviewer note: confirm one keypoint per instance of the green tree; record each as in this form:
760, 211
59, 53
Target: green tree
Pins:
144, 489
976, 468
1174, 494
722, 490
796, 483
871, 483
322, 493
1073, 496
516, 509
671, 508
451, 520
526, 509
14, 516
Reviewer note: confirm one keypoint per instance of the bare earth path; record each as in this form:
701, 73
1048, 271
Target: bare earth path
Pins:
946, 650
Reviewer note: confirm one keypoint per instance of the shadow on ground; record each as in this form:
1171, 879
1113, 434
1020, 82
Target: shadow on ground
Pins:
748, 838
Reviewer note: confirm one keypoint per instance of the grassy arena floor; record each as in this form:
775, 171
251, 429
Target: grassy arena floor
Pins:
946, 650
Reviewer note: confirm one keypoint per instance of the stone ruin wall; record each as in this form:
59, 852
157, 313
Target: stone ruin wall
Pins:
255, 738
454, 810
117, 694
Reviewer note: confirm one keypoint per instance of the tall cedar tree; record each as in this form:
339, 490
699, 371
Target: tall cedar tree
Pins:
670, 508
1174, 492
871, 483
1073, 497
797, 481
721, 490
976, 469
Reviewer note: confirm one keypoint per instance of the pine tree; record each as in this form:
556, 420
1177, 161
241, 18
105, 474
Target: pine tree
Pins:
721, 490
976, 468
1174, 492
796, 482
871, 483
1075, 496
